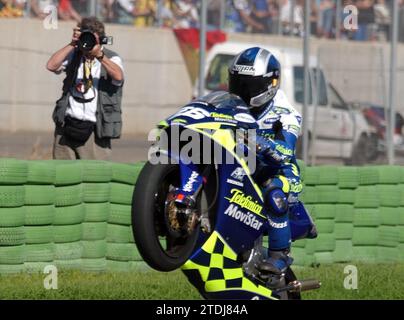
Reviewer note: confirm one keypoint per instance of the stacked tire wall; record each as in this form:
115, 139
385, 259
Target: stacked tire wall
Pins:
77, 215
359, 214
72, 214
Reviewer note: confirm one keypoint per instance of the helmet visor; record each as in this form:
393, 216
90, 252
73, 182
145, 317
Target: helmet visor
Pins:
248, 87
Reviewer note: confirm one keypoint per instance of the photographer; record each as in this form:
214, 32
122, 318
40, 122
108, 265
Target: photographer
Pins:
88, 115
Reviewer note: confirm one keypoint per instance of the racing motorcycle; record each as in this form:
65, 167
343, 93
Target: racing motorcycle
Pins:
207, 216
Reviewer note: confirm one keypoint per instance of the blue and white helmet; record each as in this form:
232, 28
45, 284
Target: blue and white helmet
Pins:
254, 75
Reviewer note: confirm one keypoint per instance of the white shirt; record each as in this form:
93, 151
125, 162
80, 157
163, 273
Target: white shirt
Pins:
86, 111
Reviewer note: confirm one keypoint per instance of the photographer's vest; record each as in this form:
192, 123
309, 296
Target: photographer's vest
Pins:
109, 114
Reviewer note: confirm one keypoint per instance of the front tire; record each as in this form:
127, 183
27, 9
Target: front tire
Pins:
149, 223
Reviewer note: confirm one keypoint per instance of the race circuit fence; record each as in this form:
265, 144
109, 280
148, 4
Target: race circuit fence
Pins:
77, 215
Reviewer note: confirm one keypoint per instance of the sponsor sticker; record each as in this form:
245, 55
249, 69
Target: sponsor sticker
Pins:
245, 217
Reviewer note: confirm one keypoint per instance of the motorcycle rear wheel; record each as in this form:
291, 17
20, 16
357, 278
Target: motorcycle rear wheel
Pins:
148, 221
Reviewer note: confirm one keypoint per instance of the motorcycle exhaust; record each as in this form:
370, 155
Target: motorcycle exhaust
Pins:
300, 285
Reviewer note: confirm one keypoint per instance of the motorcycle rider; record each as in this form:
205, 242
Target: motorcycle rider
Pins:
254, 76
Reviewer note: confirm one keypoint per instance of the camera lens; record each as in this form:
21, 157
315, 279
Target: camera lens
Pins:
87, 41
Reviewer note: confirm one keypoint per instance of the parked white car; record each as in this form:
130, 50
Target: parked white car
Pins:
335, 130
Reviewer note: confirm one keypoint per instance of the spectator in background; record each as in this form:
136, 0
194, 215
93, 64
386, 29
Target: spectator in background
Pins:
67, 12
123, 10
273, 7
238, 17
38, 7
294, 27
12, 8
213, 13
326, 19
166, 14
144, 12
366, 20
185, 14
88, 115
382, 19
260, 13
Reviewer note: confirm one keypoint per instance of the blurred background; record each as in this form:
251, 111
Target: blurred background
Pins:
159, 42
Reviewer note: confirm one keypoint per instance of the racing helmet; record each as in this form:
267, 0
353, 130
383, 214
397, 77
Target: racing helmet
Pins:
254, 75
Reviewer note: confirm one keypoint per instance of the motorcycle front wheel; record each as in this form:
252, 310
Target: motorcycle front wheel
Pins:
159, 247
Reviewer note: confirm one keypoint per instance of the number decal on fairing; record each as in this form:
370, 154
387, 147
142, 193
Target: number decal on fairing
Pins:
192, 112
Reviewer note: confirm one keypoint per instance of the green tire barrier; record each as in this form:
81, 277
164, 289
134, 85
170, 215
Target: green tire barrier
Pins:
366, 197
39, 215
327, 194
364, 254
74, 264
39, 252
309, 195
389, 195
68, 173
12, 217
121, 193
41, 173
94, 249
70, 233
343, 251
388, 236
347, 177
94, 265
400, 234
311, 176
325, 225
121, 252
12, 236
118, 266
120, 234
12, 254
323, 258
77, 215
13, 172
344, 213
68, 251
69, 215
324, 243
120, 214
36, 267
40, 194
389, 216
387, 254
366, 217
325, 211
96, 171
11, 268
38, 234
97, 212
327, 175
96, 192
94, 230
365, 236
368, 175
12, 196
343, 231
69, 195
389, 174
346, 196
126, 173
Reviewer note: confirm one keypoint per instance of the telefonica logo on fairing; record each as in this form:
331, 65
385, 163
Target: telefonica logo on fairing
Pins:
244, 201
246, 218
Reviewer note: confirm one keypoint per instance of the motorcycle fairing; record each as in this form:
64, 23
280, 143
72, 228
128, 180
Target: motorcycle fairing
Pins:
216, 273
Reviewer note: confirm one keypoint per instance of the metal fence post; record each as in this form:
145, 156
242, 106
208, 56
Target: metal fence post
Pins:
202, 47
392, 85
306, 86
